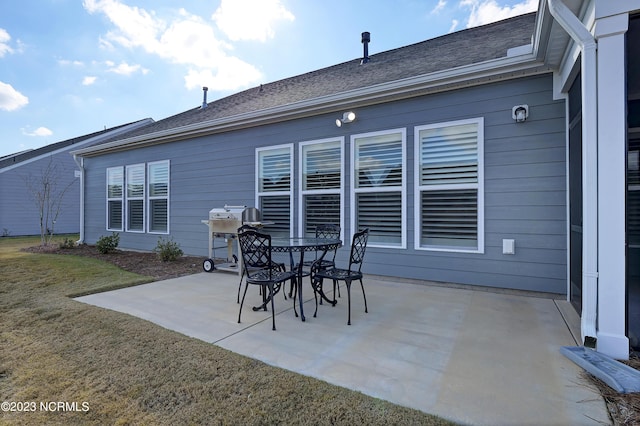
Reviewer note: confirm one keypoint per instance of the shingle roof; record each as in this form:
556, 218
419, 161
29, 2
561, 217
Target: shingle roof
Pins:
10, 160
466, 47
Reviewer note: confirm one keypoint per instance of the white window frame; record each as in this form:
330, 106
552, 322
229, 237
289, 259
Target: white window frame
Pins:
302, 192
150, 198
128, 199
119, 169
289, 193
402, 188
479, 121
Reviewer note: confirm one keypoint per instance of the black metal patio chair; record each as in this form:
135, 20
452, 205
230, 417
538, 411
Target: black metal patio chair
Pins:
352, 273
275, 265
327, 231
256, 250
328, 259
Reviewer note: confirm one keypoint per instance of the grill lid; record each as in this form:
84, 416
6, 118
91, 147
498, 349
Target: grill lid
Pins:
227, 212
251, 215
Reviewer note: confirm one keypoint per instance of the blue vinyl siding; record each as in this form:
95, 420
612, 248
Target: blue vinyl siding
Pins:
19, 214
525, 183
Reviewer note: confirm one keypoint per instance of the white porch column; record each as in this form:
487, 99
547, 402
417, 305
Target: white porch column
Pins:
612, 126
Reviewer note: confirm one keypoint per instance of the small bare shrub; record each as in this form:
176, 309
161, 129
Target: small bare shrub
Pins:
68, 243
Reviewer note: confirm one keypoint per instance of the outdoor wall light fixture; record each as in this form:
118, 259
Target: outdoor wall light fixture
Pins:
347, 117
520, 113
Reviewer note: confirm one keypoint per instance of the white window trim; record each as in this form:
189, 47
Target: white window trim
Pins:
143, 198
403, 188
121, 199
168, 197
271, 193
480, 186
302, 193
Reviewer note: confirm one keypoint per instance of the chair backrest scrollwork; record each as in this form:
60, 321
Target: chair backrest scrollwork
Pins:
256, 250
358, 248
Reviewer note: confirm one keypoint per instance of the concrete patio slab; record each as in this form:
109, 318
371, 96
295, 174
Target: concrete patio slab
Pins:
471, 356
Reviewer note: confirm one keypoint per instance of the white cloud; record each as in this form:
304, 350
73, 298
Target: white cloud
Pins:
250, 19
105, 44
89, 80
441, 4
126, 69
184, 39
192, 42
10, 98
4, 42
487, 11
454, 25
136, 27
231, 75
40, 131
67, 62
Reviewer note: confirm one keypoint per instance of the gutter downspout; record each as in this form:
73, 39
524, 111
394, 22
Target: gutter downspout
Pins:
81, 166
581, 35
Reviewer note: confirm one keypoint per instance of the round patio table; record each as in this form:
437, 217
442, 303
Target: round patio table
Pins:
302, 245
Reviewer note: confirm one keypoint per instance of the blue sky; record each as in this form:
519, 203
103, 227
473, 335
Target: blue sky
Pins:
73, 67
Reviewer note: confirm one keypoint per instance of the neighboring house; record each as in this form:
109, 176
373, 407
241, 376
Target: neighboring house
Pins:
494, 156
24, 174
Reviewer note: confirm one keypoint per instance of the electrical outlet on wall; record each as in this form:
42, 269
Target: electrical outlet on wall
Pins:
508, 246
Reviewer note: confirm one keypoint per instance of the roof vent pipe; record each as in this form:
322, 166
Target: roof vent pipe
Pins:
204, 97
366, 38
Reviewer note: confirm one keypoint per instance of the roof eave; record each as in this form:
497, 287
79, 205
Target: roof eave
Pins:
67, 148
470, 75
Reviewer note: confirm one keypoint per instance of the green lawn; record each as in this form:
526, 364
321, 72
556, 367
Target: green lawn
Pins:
130, 371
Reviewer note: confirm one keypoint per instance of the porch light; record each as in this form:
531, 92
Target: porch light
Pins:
347, 117
520, 113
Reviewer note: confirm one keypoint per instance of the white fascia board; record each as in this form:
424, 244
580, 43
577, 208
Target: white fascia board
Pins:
527, 49
567, 70
504, 68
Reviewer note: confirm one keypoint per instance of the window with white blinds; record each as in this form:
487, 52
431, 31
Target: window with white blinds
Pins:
135, 197
136, 190
158, 199
321, 186
378, 185
274, 197
449, 176
115, 182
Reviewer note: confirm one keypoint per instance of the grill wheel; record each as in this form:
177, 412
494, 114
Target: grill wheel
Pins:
208, 265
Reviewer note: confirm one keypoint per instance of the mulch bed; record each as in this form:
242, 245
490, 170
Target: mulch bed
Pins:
143, 263
624, 409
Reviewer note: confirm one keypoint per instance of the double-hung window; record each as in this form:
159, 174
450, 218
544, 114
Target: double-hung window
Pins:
115, 182
321, 184
158, 196
135, 178
138, 197
378, 185
449, 201
274, 166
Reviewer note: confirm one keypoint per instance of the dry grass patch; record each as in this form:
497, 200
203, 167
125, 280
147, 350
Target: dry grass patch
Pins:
131, 371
